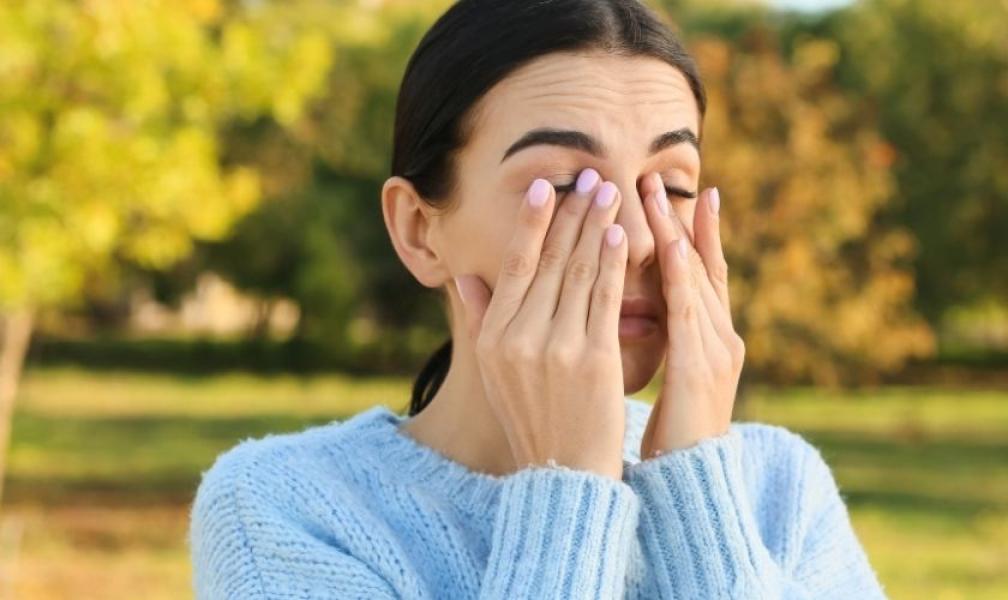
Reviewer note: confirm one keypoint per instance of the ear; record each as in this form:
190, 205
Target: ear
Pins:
409, 222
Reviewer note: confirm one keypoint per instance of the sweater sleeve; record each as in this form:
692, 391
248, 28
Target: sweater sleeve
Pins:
701, 538
561, 533
557, 533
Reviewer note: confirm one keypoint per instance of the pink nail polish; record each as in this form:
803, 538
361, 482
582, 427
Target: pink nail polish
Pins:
461, 289
715, 200
614, 234
681, 247
538, 192
606, 194
661, 198
586, 181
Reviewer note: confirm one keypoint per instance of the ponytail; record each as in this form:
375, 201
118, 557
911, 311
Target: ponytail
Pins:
430, 378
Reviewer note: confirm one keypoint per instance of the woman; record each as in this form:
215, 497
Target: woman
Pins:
545, 171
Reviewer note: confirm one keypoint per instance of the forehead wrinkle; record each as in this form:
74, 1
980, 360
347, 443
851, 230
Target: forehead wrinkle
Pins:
600, 94
595, 69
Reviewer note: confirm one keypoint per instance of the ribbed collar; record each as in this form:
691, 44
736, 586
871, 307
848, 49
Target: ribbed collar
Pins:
406, 461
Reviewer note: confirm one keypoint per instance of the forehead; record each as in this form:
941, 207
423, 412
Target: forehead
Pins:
596, 92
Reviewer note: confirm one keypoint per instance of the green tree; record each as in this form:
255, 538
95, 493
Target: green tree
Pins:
327, 246
109, 138
821, 286
936, 75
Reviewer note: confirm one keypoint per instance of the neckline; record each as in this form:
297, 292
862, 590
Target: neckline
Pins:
404, 460
407, 461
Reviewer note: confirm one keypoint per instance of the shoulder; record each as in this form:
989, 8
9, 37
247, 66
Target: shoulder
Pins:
267, 464
260, 501
282, 510
279, 475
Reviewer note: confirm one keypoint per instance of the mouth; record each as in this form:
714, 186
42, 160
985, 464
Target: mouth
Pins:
638, 318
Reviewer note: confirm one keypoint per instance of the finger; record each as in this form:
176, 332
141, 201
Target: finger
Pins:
706, 226
541, 300
715, 311
685, 341
667, 227
607, 295
475, 297
520, 258
582, 268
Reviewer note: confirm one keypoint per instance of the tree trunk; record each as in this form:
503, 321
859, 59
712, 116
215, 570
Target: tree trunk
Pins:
15, 333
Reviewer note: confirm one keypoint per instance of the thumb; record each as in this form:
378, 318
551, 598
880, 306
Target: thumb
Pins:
475, 297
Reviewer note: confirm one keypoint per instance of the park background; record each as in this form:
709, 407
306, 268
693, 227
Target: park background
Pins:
192, 253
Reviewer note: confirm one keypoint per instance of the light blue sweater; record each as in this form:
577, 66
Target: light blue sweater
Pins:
358, 509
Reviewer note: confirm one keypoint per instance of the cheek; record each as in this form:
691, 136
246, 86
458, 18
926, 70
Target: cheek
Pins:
481, 235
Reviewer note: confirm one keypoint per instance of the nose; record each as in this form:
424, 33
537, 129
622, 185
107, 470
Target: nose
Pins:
631, 215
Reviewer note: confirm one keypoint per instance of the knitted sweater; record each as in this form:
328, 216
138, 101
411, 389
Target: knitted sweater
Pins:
359, 509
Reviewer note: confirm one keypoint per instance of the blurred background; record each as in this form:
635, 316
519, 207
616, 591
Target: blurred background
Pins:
192, 253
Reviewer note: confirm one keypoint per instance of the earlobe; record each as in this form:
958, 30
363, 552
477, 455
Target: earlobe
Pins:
409, 222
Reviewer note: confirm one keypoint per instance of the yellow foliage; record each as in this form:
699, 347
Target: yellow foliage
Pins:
111, 116
819, 286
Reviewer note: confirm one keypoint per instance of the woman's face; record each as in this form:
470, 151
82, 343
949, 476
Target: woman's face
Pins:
623, 104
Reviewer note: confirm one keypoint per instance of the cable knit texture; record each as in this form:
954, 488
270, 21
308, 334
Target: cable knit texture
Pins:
359, 509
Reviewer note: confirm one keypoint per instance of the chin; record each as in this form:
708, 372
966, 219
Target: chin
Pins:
641, 360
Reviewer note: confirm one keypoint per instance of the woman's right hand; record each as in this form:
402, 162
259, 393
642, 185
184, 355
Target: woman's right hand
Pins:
547, 340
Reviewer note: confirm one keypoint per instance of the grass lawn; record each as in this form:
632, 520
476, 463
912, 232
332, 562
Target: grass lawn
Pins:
103, 468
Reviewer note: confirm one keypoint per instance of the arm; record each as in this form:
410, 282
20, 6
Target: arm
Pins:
702, 540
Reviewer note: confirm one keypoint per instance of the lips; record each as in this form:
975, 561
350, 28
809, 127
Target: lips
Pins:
638, 318
638, 307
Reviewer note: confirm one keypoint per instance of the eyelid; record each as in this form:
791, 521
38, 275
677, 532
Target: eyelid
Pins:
670, 190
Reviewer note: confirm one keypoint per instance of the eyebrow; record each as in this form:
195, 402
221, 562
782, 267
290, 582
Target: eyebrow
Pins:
579, 140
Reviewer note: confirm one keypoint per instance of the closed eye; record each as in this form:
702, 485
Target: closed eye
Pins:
669, 189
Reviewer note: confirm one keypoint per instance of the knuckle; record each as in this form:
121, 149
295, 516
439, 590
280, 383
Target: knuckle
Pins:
581, 271
719, 270
517, 264
518, 350
737, 348
682, 308
561, 355
552, 258
608, 296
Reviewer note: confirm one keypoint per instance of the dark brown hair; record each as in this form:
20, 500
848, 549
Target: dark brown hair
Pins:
473, 46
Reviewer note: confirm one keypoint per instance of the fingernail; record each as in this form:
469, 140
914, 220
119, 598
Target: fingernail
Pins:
586, 181
458, 286
681, 247
715, 200
538, 192
606, 195
614, 234
661, 198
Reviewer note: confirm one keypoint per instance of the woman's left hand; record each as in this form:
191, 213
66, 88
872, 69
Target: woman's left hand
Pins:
705, 354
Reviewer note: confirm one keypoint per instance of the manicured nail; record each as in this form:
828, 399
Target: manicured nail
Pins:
661, 198
458, 286
614, 234
715, 200
606, 195
586, 181
681, 247
538, 192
